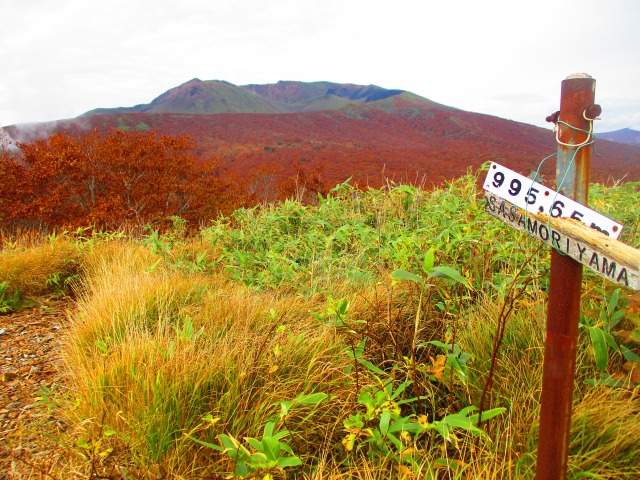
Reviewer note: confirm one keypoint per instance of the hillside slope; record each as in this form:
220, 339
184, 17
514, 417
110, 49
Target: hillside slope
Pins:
626, 135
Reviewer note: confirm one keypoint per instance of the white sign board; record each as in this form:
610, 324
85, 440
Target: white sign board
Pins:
608, 257
536, 198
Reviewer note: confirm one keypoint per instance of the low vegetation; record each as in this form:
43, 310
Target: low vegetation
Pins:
353, 338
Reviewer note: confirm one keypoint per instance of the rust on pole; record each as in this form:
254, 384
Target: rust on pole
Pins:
574, 121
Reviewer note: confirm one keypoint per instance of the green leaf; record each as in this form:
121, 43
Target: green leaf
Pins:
284, 462
271, 448
207, 444
488, 414
268, 429
372, 368
617, 316
611, 341
395, 440
404, 425
404, 275
385, 418
600, 350
429, 259
231, 446
628, 354
284, 407
437, 343
255, 443
401, 388
450, 273
342, 306
457, 420
613, 301
311, 399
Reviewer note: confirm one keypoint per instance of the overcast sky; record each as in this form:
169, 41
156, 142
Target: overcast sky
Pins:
60, 58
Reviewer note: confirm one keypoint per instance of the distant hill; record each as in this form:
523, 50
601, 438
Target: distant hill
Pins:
626, 135
199, 97
368, 132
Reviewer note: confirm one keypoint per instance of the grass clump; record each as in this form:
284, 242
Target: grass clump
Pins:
40, 268
152, 353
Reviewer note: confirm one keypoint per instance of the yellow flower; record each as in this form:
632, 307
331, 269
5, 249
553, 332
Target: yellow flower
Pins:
423, 421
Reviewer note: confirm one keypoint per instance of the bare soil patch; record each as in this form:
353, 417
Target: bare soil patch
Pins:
30, 366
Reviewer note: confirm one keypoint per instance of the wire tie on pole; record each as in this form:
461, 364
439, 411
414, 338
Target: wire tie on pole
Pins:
582, 144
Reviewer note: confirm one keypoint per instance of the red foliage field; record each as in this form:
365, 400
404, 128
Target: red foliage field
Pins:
110, 180
140, 168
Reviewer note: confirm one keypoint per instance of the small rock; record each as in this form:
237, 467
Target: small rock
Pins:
3, 331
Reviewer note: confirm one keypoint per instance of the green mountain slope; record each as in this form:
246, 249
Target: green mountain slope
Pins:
215, 96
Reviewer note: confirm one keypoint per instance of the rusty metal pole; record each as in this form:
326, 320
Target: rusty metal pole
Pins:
565, 284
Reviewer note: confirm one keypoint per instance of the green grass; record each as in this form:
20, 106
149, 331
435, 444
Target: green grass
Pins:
287, 318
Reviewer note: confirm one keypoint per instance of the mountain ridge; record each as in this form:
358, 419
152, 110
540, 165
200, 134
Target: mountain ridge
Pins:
197, 97
624, 135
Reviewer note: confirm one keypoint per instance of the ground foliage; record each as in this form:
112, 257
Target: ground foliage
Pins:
350, 337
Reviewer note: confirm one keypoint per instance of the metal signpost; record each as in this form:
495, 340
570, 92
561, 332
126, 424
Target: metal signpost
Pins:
579, 236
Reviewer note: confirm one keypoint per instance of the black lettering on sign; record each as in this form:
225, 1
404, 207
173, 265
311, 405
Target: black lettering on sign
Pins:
556, 208
555, 239
491, 204
515, 187
501, 210
581, 249
596, 227
608, 267
532, 227
623, 277
544, 236
577, 215
594, 262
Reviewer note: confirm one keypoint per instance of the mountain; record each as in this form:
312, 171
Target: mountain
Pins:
197, 97
368, 133
626, 135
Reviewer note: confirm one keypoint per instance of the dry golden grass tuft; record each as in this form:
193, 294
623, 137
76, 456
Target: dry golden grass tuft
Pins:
32, 270
152, 350
604, 434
